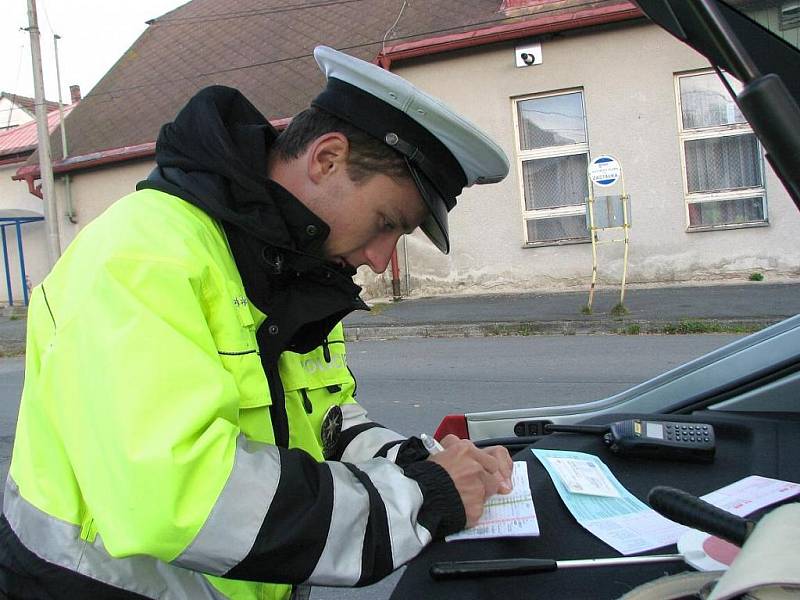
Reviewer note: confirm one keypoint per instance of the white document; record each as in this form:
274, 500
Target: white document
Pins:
620, 519
627, 524
751, 493
583, 477
506, 515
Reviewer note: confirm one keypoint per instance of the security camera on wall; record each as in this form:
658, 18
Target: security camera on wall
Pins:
530, 54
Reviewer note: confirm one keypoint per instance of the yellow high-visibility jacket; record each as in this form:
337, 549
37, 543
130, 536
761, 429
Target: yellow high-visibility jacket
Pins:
144, 457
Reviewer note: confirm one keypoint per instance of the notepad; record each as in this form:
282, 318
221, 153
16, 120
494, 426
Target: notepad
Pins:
506, 515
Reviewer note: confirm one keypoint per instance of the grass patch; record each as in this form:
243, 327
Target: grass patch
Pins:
632, 329
378, 308
12, 353
14, 318
586, 309
512, 329
619, 310
687, 327
756, 277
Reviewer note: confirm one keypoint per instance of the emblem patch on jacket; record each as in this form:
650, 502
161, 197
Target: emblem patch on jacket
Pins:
331, 430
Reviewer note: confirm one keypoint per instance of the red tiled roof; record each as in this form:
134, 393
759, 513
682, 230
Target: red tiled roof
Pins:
27, 104
264, 48
24, 138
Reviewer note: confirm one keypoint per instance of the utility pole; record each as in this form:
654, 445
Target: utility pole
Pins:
57, 37
68, 193
43, 131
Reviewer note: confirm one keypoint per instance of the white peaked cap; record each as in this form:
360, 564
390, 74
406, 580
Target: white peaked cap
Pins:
444, 152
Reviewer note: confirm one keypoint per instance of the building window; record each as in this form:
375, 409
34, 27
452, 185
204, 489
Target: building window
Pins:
723, 170
552, 157
790, 15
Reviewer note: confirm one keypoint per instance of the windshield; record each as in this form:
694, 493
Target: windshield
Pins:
757, 42
781, 17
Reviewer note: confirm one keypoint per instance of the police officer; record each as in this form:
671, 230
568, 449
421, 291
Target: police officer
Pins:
188, 426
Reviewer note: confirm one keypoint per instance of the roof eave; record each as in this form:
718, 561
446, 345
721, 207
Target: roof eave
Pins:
93, 159
5, 161
107, 157
499, 33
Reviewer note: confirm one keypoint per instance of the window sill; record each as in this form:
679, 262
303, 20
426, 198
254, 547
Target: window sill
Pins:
726, 227
528, 245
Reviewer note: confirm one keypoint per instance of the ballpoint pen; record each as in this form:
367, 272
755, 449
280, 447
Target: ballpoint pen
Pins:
431, 445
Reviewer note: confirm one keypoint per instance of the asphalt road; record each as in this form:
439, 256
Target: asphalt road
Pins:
410, 384
11, 373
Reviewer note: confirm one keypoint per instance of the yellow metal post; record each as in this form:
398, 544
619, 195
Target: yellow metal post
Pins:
594, 229
626, 230
594, 246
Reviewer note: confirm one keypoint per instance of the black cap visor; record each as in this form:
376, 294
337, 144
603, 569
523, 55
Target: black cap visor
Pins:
435, 224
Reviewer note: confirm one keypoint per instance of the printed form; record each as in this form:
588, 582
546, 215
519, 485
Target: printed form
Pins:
751, 493
506, 515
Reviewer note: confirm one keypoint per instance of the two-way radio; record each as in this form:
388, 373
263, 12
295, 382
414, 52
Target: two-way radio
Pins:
668, 440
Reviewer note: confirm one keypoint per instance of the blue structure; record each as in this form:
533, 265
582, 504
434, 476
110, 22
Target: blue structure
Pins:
17, 223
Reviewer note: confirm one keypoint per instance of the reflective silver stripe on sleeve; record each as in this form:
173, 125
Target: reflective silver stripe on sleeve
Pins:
403, 499
341, 559
366, 444
392, 453
58, 542
340, 562
231, 529
353, 414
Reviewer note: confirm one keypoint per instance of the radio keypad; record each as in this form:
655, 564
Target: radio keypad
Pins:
687, 433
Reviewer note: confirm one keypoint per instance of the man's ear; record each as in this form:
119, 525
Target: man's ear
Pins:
327, 154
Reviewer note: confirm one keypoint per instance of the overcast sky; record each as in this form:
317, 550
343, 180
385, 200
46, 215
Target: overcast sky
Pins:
94, 34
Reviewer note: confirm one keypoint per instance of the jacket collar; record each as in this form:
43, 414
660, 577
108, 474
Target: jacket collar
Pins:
214, 155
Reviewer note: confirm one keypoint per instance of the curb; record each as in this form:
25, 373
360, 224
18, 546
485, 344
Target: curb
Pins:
13, 311
12, 348
16, 347
565, 327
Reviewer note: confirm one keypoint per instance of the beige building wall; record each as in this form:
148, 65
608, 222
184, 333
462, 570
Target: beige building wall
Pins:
626, 73
12, 115
94, 190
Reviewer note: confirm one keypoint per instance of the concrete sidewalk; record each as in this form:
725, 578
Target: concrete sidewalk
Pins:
746, 307
702, 308
12, 334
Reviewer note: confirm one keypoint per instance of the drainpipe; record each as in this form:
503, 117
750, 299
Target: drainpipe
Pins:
34, 189
395, 277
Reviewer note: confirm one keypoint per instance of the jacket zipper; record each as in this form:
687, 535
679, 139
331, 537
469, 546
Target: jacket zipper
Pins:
326, 351
277, 410
309, 408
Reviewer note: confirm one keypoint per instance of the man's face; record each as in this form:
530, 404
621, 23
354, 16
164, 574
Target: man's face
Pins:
367, 218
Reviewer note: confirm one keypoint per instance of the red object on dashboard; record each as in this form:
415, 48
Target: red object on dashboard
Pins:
453, 424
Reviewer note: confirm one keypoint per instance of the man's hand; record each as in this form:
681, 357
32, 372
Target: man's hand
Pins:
477, 474
506, 467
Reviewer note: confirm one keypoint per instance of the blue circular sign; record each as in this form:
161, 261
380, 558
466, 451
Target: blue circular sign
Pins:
604, 170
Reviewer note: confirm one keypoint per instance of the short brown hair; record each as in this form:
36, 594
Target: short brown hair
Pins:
368, 156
